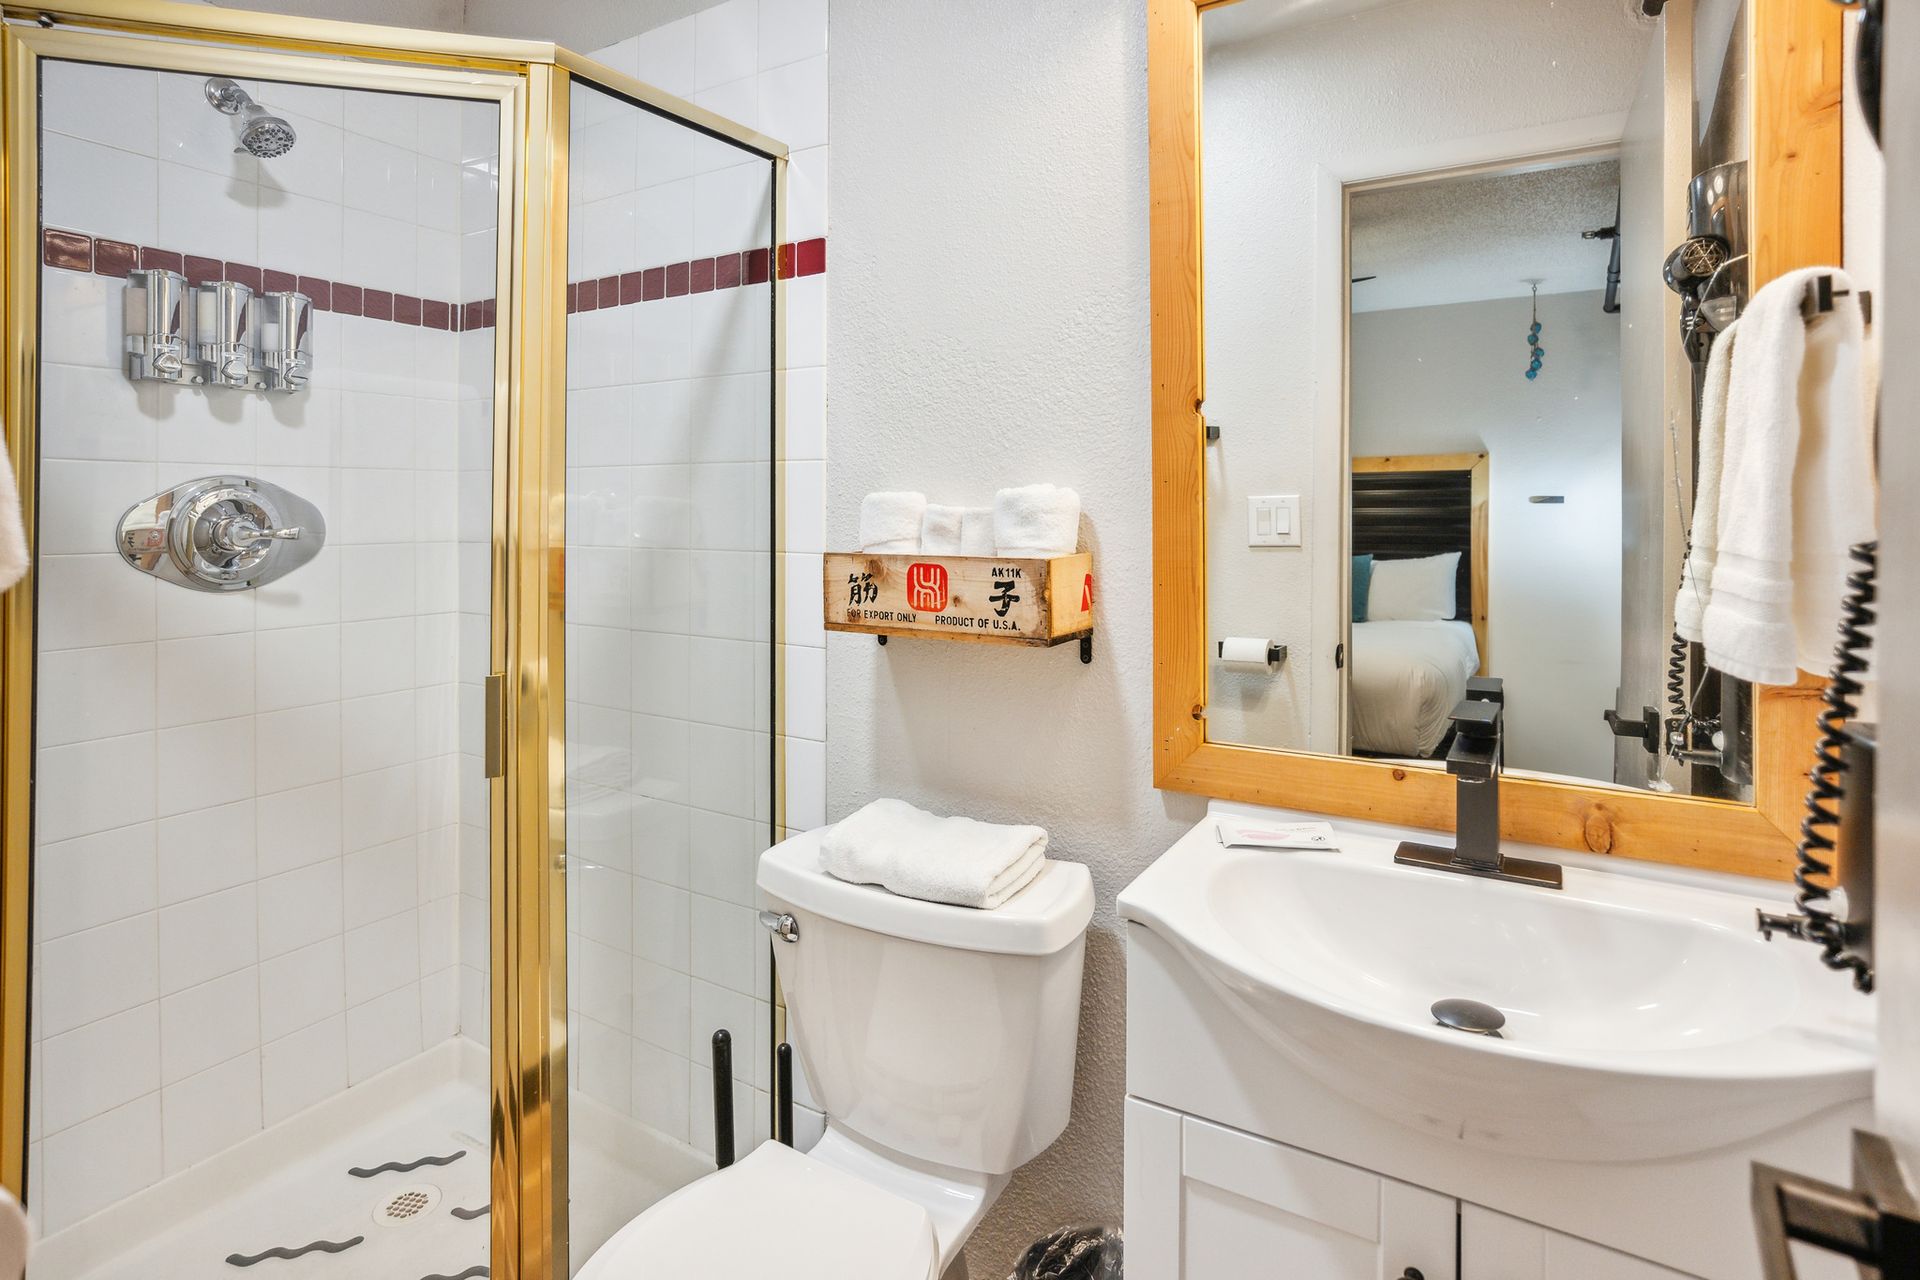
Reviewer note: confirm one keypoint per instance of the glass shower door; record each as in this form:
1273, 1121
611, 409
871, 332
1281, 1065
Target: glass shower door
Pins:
265, 617
669, 685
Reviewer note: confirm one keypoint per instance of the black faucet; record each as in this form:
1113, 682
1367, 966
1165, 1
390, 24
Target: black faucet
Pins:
1475, 761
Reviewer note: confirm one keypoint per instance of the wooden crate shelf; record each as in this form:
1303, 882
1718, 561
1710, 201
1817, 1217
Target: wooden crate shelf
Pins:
981, 599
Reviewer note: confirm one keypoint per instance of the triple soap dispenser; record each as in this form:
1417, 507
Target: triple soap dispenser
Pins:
217, 333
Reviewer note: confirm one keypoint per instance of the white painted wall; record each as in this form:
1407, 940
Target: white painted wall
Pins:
1898, 925
1382, 92
1449, 380
988, 320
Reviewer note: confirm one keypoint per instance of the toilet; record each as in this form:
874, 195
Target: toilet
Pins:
940, 1043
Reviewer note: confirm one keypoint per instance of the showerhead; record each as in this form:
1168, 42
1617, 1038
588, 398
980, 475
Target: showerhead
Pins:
260, 132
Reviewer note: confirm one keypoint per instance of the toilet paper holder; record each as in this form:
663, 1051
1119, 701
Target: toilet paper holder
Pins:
1276, 653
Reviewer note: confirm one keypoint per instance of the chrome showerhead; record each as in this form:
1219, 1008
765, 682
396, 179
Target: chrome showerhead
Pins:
260, 132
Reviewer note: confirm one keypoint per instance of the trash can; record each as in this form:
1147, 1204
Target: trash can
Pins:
1072, 1253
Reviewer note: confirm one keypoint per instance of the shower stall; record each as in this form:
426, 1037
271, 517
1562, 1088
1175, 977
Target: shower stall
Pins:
390, 712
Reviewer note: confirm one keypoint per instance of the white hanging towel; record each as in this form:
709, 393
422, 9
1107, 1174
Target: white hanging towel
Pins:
13, 531
1797, 485
917, 854
1036, 521
1696, 574
890, 523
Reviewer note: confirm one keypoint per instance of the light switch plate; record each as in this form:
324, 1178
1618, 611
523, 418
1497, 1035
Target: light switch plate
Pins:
1273, 520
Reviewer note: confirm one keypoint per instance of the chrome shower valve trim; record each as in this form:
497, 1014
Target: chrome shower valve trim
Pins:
221, 533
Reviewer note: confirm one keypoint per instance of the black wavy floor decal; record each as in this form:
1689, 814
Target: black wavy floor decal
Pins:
468, 1215
469, 1274
395, 1166
288, 1255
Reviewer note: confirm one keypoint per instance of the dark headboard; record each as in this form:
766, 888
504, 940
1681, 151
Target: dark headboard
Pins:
1403, 515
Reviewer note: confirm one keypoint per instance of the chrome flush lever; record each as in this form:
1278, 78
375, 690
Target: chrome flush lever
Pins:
782, 925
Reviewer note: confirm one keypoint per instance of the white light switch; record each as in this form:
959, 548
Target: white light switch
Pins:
1273, 520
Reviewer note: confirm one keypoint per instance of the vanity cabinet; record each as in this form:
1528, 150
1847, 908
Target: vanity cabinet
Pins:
1207, 1202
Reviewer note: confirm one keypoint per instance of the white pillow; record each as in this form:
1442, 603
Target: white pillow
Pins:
1420, 590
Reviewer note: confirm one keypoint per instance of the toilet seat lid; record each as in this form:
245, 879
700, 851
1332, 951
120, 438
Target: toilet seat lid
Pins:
775, 1213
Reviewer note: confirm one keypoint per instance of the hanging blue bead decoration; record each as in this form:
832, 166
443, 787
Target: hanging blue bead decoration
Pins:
1534, 348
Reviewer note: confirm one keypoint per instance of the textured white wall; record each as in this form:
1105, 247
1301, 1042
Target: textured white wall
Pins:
1898, 925
1450, 380
988, 320
1382, 92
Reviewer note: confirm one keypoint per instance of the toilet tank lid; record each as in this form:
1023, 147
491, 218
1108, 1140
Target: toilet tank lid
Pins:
1047, 915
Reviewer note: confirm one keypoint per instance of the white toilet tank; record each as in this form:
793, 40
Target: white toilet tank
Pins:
944, 1033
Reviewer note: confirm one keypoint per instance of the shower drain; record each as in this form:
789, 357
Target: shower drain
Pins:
406, 1205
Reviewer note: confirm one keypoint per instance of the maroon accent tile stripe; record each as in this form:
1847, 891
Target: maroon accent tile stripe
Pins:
77, 251
67, 249
205, 270
115, 258
321, 291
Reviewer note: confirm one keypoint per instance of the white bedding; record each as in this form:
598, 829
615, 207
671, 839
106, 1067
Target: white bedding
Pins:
1406, 678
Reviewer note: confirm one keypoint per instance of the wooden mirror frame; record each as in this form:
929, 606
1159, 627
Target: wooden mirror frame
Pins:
1794, 181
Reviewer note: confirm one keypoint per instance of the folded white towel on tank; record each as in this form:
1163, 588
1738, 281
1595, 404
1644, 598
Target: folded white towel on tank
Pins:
890, 523
916, 854
1035, 521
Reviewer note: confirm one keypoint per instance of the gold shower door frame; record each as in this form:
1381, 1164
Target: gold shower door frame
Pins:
526, 728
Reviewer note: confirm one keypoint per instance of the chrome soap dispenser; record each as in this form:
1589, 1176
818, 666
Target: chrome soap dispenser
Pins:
154, 308
286, 340
222, 327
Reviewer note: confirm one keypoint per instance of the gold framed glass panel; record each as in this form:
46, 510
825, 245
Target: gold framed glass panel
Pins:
483, 498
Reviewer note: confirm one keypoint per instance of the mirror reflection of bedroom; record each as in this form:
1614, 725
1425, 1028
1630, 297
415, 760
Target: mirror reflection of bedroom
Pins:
1485, 462
1453, 361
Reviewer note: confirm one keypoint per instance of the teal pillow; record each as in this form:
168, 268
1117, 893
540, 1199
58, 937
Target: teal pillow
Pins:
1362, 579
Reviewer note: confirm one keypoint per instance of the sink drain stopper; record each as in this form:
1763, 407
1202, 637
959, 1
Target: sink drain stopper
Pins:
1470, 1016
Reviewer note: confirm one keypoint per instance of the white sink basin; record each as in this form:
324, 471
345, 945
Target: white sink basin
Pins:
1643, 1019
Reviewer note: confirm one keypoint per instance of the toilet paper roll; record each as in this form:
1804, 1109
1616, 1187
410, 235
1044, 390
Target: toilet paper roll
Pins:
1251, 651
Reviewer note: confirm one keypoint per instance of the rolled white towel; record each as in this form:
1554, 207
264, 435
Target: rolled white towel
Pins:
890, 523
917, 854
976, 531
940, 530
1035, 521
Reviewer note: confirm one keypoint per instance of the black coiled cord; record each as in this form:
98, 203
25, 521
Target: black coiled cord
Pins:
1817, 832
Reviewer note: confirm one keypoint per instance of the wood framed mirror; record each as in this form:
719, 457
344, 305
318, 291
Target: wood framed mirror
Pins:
1783, 72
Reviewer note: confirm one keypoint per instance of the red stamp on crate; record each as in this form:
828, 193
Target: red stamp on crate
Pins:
926, 587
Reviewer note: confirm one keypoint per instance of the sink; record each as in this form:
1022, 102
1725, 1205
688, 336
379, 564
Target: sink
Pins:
1644, 1019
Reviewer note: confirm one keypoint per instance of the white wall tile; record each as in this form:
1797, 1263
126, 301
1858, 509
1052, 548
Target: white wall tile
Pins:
205, 1114
100, 190
209, 678
206, 850
100, 1161
207, 937
98, 1067
302, 987
299, 827
382, 1033
94, 786
101, 693
303, 1068
93, 880
208, 1024
300, 907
